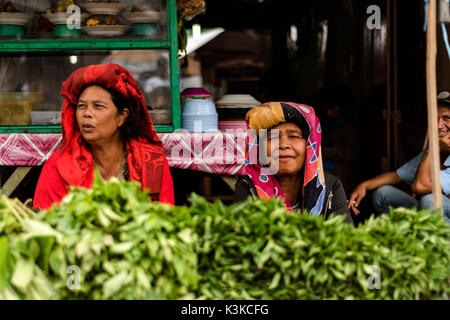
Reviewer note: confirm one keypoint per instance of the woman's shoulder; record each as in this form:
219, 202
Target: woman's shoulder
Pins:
50, 187
51, 162
334, 184
50, 168
331, 178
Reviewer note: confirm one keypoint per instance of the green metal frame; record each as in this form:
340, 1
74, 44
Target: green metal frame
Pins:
68, 45
173, 61
57, 129
61, 45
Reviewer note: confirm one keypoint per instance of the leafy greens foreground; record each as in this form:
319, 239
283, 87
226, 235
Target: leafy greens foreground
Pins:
110, 242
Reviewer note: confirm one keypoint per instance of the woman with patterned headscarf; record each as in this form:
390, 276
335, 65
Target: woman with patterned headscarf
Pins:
105, 126
291, 135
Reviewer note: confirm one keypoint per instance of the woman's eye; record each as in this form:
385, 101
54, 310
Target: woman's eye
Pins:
80, 106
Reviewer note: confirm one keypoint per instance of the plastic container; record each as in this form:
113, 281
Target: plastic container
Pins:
194, 93
144, 23
199, 115
59, 19
12, 23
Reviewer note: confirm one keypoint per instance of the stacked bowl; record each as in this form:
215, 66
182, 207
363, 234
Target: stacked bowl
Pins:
199, 112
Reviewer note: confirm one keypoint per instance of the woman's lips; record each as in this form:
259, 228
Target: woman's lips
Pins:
88, 127
285, 158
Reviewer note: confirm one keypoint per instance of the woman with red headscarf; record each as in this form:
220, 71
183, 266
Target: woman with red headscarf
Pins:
105, 125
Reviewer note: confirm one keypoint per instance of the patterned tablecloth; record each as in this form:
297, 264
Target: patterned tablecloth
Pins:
218, 152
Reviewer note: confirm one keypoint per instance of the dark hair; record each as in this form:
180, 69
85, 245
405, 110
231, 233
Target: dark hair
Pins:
292, 115
130, 129
443, 103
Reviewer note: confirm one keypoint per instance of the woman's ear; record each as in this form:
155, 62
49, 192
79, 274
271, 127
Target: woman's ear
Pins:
124, 116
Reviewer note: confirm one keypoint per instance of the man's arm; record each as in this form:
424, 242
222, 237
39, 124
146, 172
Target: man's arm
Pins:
422, 182
388, 178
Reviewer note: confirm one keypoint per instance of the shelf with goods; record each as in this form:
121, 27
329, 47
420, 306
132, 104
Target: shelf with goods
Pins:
46, 52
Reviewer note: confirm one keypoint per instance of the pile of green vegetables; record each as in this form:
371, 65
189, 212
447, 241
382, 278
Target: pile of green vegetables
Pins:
257, 250
110, 242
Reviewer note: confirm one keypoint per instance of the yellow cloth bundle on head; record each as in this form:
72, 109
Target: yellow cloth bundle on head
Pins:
266, 116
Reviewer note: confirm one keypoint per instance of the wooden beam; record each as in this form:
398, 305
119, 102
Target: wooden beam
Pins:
388, 84
14, 180
432, 105
395, 80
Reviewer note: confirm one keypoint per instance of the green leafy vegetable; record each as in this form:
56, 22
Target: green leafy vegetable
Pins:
111, 242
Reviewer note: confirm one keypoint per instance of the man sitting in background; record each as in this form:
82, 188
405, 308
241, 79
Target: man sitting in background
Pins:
416, 173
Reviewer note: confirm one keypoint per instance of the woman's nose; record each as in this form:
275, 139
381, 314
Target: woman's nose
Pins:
283, 142
87, 112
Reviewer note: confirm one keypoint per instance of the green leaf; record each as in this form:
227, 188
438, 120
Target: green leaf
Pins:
57, 261
3, 262
35, 229
186, 236
23, 273
119, 248
275, 281
114, 284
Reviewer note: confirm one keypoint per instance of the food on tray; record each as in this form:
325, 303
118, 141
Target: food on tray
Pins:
190, 8
108, 21
6, 6
111, 21
106, 30
60, 6
92, 22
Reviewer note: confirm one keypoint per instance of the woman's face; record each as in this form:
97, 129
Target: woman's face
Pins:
291, 145
97, 116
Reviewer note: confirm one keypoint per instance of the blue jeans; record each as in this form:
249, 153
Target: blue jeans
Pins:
387, 196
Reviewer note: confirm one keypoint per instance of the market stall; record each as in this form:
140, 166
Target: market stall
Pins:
42, 43
222, 153
111, 242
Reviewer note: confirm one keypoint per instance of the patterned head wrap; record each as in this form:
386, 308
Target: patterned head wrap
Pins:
272, 114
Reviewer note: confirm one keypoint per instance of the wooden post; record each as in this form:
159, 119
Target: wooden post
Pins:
395, 80
389, 83
14, 180
432, 105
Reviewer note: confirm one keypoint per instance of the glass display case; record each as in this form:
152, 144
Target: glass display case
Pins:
43, 42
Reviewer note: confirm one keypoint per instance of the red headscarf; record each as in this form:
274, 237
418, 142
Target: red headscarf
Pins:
145, 154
